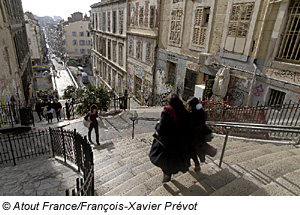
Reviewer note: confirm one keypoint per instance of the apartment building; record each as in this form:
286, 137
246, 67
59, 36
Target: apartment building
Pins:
18, 30
35, 38
109, 28
142, 37
257, 41
78, 41
10, 78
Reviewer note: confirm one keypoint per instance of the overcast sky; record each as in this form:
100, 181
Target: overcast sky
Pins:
62, 8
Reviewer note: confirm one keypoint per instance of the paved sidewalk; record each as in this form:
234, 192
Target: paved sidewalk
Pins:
37, 177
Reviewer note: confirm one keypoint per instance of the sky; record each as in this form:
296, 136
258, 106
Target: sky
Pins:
63, 8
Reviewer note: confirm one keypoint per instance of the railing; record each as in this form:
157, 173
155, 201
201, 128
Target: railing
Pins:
20, 146
53, 142
252, 127
10, 114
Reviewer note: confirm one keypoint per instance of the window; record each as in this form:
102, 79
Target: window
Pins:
104, 21
114, 22
121, 45
82, 51
99, 21
152, 16
141, 16
76, 51
104, 47
88, 51
148, 53
109, 75
139, 50
175, 31
130, 47
201, 18
74, 34
121, 21
290, 44
276, 97
132, 14
114, 49
109, 49
108, 21
87, 33
171, 73
88, 42
81, 42
74, 42
240, 18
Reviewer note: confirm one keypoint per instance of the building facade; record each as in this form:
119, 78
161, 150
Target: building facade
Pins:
35, 39
10, 78
142, 37
18, 31
258, 41
78, 40
109, 44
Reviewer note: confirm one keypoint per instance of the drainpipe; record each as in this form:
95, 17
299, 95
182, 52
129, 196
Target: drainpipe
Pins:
256, 51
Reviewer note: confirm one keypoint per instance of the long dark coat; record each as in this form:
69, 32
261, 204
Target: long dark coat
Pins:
173, 156
199, 132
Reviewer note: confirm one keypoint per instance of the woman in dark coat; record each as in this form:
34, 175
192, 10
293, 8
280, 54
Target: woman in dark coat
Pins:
199, 133
171, 152
92, 118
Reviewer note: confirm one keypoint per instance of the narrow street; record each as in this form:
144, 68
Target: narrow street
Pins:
62, 79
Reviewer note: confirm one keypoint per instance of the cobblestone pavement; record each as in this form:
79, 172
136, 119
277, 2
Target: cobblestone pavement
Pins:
37, 177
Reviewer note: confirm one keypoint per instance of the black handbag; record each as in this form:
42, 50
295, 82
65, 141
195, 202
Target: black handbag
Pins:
158, 138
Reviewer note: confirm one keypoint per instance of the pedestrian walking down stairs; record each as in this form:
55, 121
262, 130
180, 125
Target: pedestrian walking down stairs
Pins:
122, 167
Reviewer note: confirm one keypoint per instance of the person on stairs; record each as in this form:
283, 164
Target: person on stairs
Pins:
171, 152
92, 118
57, 107
200, 133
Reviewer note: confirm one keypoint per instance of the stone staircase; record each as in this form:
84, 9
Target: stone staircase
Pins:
122, 168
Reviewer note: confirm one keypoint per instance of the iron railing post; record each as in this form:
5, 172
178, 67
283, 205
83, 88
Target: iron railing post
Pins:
224, 146
64, 146
52, 141
12, 151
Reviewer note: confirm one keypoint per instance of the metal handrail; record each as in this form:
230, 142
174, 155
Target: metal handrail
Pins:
251, 126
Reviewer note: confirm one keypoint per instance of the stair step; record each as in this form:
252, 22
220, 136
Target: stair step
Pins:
243, 155
279, 168
291, 182
101, 189
272, 189
128, 185
265, 159
112, 174
239, 187
183, 181
140, 190
221, 178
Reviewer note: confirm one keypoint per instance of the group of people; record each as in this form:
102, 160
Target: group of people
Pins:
181, 135
46, 109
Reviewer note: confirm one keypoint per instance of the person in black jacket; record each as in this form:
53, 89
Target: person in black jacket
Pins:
57, 108
39, 109
171, 152
199, 133
92, 118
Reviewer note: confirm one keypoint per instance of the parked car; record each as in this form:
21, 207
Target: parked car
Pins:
85, 78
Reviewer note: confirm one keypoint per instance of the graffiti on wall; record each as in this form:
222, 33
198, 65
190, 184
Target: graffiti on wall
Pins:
259, 90
236, 91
